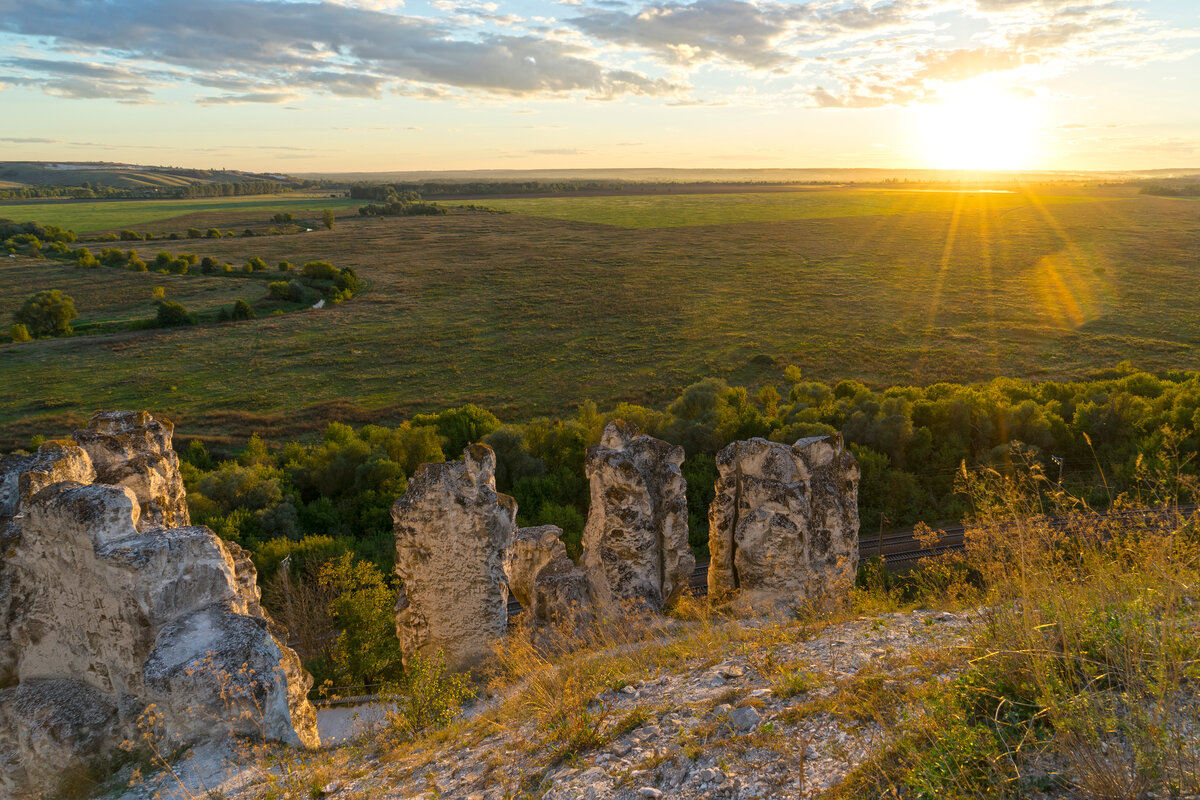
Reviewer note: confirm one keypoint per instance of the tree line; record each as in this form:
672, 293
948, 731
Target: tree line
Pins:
325, 505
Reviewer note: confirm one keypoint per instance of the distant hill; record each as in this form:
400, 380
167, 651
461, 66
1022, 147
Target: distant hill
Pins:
15, 174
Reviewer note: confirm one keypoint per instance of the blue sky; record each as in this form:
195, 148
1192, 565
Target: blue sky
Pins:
517, 84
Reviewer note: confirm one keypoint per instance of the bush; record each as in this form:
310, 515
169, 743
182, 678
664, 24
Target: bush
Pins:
136, 265
284, 266
213, 233
171, 313
242, 310
194, 233
279, 290
320, 270
19, 333
130, 236
256, 264
208, 265
47, 313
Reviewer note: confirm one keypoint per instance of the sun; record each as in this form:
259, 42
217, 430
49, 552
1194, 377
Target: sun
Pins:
977, 125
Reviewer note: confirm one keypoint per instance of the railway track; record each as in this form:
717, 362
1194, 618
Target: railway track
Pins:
901, 549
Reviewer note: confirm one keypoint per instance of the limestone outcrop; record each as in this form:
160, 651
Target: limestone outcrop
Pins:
133, 449
104, 612
784, 523
635, 543
562, 596
452, 534
550, 587
530, 550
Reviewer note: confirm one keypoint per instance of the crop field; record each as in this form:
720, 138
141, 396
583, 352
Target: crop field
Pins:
673, 211
83, 216
530, 315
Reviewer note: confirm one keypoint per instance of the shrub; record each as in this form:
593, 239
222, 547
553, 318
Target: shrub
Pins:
430, 697
130, 236
279, 290
136, 265
242, 310
285, 266
256, 264
194, 233
19, 333
208, 265
171, 313
85, 259
320, 270
213, 233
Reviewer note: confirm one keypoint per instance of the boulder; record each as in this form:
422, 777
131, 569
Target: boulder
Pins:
784, 523
530, 550
104, 613
635, 544
561, 595
452, 533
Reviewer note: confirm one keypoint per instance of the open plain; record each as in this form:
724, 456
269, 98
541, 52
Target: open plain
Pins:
529, 315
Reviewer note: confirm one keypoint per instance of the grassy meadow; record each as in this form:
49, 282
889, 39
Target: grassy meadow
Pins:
674, 211
531, 313
97, 215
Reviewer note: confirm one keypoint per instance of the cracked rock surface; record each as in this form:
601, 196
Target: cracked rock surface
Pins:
104, 612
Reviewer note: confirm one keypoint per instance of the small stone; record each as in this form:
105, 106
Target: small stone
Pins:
724, 708
728, 671
649, 791
744, 718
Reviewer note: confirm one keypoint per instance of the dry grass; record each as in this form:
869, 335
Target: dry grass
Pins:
1085, 679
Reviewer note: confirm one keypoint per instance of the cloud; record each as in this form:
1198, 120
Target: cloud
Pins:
272, 46
248, 97
733, 30
80, 80
830, 53
29, 140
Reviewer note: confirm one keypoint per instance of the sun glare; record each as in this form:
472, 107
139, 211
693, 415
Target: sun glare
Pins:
978, 126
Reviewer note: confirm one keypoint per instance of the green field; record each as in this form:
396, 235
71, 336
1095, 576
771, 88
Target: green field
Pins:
83, 216
107, 295
673, 211
530, 315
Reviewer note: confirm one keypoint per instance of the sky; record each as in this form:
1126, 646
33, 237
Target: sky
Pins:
379, 85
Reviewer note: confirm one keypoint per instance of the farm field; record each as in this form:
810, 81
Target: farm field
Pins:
85, 216
530, 315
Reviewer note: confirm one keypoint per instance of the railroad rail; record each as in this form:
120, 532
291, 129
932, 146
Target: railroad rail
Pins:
901, 549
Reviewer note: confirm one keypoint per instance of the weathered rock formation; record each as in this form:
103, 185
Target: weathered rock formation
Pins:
784, 523
104, 612
562, 597
452, 533
635, 544
550, 587
530, 550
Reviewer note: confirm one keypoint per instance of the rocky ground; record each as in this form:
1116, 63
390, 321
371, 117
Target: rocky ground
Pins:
748, 709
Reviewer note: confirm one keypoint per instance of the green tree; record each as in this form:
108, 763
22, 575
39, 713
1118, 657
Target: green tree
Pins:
242, 310
364, 607
327, 218
47, 313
